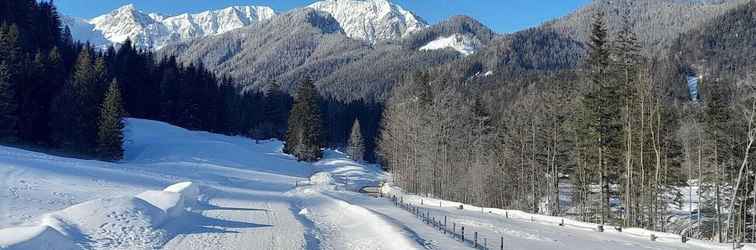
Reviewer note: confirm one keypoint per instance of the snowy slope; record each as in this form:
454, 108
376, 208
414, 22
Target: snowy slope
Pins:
153, 31
242, 195
464, 44
371, 20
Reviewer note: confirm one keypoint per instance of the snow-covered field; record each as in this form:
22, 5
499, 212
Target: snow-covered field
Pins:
180, 189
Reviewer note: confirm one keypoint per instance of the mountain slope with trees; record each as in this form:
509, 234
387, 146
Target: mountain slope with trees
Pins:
54, 89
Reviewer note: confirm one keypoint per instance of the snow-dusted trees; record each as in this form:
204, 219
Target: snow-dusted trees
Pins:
356, 144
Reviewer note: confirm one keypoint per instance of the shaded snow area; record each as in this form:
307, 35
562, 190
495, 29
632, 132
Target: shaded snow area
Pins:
464, 44
181, 189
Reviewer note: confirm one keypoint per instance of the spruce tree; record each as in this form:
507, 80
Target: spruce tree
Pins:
8, 105
75, 108
603, 103
304, 136
274, 110
110, 131
356, 144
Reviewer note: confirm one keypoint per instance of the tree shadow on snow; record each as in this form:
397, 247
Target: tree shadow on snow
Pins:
194, 223
214, 207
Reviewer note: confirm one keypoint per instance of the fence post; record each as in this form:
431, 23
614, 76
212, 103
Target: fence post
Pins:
476, 240
454, 228
501, 247
445, 227
463, 234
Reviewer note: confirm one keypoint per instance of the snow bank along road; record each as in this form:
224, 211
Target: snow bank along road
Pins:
180, 189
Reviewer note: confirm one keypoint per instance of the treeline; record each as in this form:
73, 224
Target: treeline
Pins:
615, 132
55, 90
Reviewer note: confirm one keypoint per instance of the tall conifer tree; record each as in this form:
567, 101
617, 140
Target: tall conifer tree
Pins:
304, 136
110, 131
8, 105
356, 145
603, 104
76, 106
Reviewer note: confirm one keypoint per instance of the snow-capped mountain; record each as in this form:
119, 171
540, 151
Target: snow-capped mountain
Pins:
371, 20
154, 31
464, 44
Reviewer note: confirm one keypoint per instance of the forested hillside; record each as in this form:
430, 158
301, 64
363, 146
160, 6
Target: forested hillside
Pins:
603, 118
657, 22
53, 89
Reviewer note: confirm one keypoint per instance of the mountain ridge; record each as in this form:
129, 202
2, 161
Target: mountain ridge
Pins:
371, 21
154, 31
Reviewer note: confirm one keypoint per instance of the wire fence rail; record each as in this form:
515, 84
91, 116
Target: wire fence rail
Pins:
449, 227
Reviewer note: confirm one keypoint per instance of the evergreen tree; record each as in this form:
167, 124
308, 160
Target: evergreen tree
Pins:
10, 48
304, 136
274, 111
75, 108
603, 103
32, 108
356, 144
110, 132
8, 106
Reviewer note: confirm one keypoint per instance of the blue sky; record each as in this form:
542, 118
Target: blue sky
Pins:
501, 15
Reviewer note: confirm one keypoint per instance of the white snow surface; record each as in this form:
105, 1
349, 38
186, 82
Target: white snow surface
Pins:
371, 20
181, 189
154, 31
463, 43
35, 237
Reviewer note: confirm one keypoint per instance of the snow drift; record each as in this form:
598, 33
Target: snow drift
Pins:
36, 237
123, 222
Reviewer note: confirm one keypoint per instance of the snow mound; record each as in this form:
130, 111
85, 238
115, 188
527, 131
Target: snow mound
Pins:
464, 44
119, 222
38, 237
322, 178
189, 191
126, 222
304, 211
352, 175
171, 203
